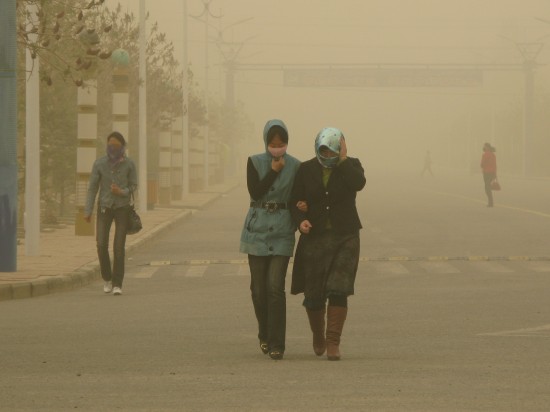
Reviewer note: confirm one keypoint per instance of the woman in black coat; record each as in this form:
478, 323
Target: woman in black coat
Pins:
327, 256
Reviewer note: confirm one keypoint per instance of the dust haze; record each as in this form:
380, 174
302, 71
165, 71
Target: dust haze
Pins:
387, 127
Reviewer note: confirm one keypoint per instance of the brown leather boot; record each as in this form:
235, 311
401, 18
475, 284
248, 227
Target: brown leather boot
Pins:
317, 324
336, 316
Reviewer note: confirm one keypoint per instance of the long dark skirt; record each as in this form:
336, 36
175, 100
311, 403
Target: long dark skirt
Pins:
325, 265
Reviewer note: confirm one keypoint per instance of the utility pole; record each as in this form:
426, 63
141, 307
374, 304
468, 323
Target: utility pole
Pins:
8, 137
142, 179
530, 52
185, 107
230, 52
32, 144
206, 13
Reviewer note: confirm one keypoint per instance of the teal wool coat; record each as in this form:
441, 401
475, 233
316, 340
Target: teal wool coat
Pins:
268, 233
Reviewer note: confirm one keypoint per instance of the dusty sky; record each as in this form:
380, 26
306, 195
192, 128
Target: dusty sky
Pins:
377, 122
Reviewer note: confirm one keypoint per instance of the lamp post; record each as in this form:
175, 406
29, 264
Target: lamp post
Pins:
529, 52
206, 13
32, 145
176, 161
185, 110
165, 160
142, 201
8, 137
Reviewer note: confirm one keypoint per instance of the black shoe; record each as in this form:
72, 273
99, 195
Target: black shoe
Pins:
276, 355
264, 348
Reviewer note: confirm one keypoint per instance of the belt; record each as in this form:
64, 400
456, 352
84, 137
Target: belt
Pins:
269, 206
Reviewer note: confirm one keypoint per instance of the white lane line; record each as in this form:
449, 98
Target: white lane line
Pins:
389, 267
538, 266
439, 267
196, 271
540, 331
492, 267
146, 272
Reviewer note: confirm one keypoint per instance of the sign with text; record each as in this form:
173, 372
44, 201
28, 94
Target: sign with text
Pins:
382, 77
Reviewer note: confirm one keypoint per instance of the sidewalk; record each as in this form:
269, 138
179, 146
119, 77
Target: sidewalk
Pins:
68, 261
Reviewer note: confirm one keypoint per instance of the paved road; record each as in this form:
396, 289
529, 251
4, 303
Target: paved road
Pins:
463, 334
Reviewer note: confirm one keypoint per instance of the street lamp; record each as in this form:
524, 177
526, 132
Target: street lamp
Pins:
529, 52
206, 13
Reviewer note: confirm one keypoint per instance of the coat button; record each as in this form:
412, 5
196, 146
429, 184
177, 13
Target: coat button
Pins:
326, 193
271, 248
328, 207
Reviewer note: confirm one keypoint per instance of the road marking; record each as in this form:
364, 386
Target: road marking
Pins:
390, 267
519, 209
492, 267
196, 271
396, 258
477, 258
439, 267
540, 331
160, 263
146, 273
538, 266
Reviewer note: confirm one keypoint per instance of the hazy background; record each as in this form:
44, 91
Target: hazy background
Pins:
386, 126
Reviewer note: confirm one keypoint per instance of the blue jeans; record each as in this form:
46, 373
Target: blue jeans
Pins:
267, 285
105, 218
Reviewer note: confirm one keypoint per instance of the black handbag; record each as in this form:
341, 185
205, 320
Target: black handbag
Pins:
134, 221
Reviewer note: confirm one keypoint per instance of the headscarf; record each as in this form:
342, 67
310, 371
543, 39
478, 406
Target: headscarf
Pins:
328, 137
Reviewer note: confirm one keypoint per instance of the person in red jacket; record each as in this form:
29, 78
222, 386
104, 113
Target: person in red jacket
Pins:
489, 169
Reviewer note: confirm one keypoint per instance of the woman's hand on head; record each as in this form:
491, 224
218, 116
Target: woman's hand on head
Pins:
343, 149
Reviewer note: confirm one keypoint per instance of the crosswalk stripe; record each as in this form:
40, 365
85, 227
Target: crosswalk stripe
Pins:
146, 272
390, 267
438, 267
196, 271
538, 266
396, 265
493, 267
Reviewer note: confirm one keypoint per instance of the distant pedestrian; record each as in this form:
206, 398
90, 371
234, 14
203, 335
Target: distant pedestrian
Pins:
327, 255
114, 175
268, 234
489, 170
427, 164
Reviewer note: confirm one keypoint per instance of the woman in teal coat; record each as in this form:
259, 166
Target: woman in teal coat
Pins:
268, 234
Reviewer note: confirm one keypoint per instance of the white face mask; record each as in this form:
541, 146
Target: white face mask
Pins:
277, 151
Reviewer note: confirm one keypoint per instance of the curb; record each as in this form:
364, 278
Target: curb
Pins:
83, 275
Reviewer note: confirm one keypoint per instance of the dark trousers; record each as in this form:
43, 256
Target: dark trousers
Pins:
267, 285
488, 178
105, 218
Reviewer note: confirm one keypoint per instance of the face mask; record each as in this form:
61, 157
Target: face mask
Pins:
328, 162
277, 151
115, 152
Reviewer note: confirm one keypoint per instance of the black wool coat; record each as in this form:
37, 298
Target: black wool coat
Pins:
336, 201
